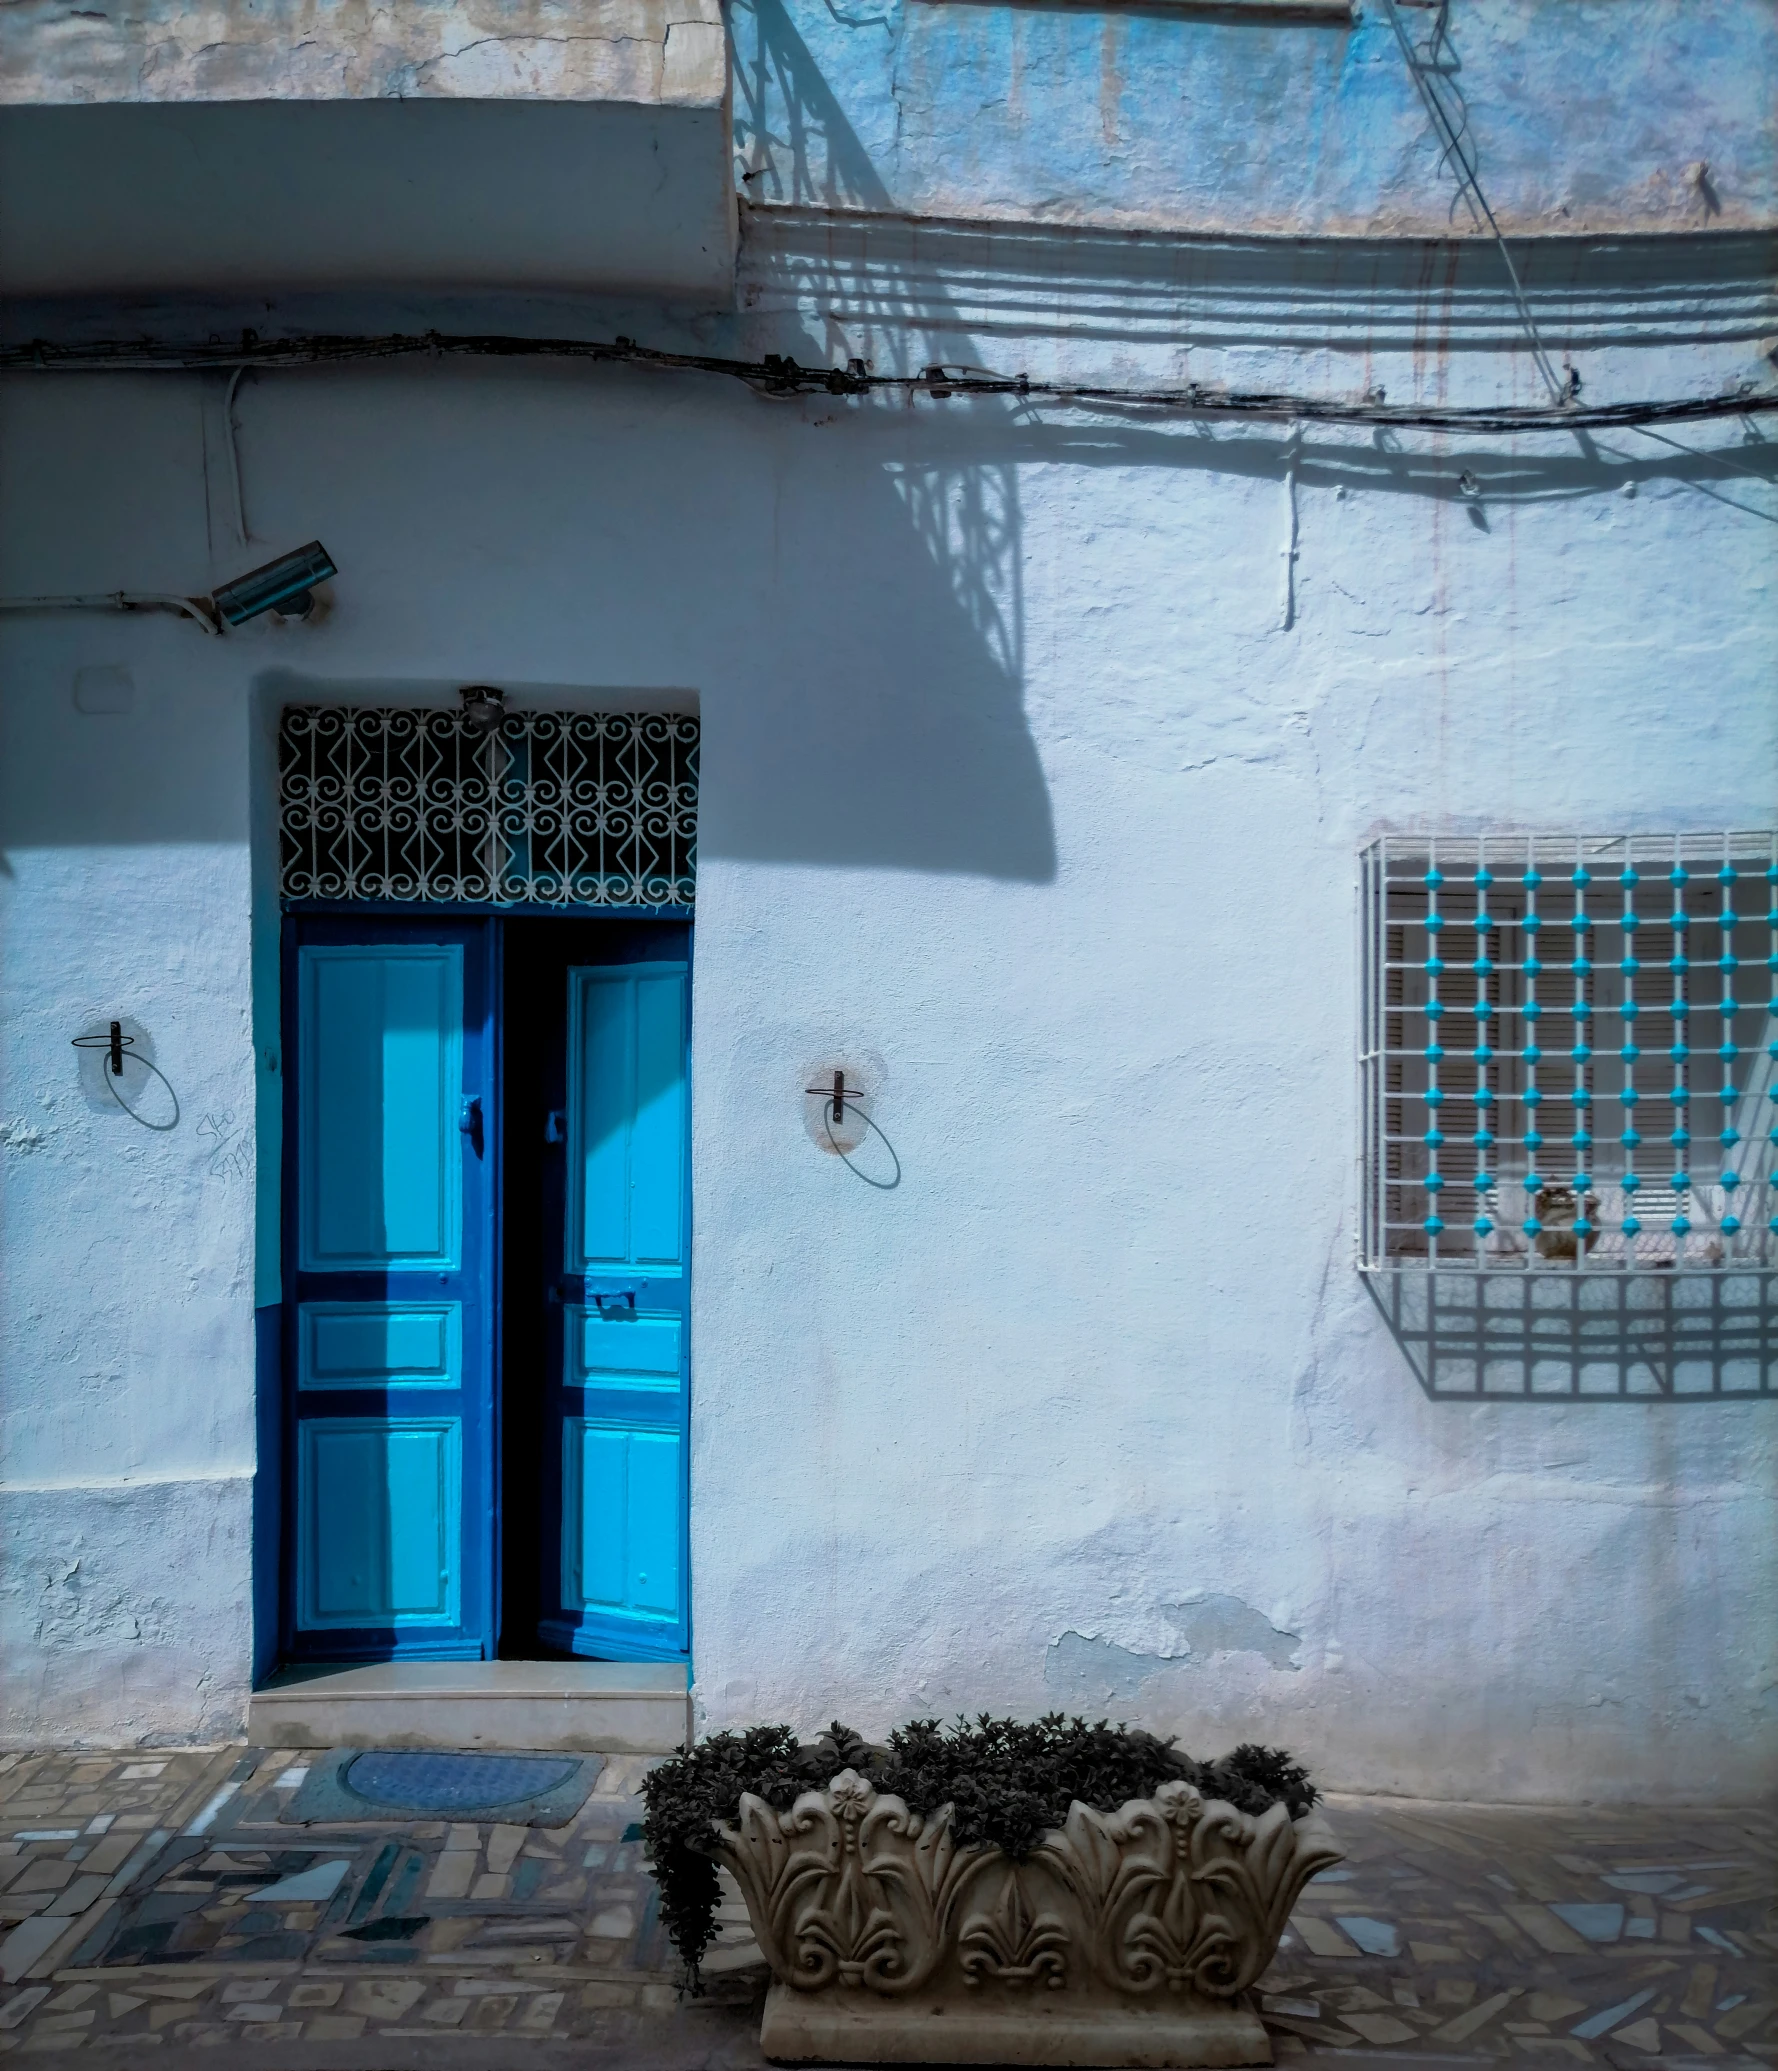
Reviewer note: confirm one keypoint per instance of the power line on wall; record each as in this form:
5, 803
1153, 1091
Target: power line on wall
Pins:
779, 375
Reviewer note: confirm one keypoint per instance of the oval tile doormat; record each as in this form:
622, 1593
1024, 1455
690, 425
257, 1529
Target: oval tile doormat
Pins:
348, 1785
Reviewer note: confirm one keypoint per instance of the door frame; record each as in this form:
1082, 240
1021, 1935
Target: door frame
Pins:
401, 915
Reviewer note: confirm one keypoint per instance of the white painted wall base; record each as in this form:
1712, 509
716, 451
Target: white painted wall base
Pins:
124, 1613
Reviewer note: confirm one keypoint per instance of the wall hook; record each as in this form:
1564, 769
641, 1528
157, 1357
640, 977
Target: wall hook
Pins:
835, 1098
837, 1094
114, 1044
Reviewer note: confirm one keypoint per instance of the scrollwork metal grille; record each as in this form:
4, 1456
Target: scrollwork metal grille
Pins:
547, 809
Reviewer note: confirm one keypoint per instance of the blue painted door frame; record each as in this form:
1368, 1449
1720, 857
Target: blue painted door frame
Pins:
391, 1132
487, 1247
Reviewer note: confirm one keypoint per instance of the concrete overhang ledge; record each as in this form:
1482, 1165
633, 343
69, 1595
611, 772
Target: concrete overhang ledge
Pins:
198, 146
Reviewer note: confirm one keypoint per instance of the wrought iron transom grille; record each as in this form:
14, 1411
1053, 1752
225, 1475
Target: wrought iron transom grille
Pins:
1569, 1054
546, 809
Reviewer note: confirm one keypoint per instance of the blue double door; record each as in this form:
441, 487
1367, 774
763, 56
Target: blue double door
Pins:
487, 1252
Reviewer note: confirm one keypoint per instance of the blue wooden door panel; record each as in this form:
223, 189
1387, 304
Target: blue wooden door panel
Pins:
622, 1558
595, 1486
624, 1350
390, 1345
380, 1029
656, 1528
627, 1117
379, 1345
620, 1368
657, 1142
377, 1505
601, 1096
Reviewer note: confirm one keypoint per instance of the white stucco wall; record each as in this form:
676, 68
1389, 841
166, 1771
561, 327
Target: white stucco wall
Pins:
1015, 779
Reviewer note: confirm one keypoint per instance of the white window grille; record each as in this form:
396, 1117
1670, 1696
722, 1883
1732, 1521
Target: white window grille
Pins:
544, 809
1569, 1052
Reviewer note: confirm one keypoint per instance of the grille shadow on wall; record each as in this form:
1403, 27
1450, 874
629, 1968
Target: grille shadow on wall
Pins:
1569, 1080
1500, 1336
965, 512
927, 662
566, 809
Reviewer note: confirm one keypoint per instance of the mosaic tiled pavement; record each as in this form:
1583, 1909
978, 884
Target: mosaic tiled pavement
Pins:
151, 1906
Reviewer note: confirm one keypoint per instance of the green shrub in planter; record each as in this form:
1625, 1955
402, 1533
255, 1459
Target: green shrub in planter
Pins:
1009, 1784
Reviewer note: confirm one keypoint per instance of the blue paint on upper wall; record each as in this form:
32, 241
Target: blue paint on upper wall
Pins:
1590, 115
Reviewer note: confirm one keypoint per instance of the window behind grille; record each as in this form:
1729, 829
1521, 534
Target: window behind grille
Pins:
1569, 1050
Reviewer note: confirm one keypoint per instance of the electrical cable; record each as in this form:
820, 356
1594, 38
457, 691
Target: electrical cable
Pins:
120, 600
1706, 453
779, 375
231, 444
1427, 67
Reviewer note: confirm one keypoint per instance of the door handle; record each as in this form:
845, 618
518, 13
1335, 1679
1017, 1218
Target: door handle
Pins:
573, 1290
469, 1120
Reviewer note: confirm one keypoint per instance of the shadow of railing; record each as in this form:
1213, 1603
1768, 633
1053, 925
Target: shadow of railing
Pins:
1587, 1337
921, 677
965, 512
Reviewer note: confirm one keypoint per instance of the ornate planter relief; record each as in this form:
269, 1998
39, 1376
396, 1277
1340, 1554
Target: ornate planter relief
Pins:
1126, 1938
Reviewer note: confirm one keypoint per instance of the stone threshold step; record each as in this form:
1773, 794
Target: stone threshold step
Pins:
583, 1707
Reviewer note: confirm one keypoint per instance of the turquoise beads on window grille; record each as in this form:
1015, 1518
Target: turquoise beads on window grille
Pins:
1583, 957
1434, 1180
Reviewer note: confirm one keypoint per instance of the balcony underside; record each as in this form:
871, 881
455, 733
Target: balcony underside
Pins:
270, 196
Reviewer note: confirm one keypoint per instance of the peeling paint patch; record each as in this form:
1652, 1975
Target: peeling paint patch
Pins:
1226, 1625
1095, 1671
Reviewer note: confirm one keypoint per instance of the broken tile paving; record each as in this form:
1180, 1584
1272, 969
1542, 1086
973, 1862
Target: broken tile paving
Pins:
153, 1904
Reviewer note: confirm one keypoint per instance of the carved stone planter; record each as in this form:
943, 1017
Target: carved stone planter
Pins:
1127, 1938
